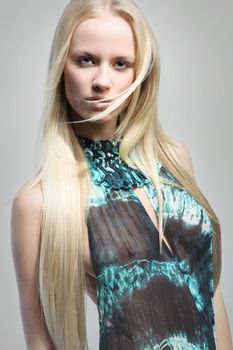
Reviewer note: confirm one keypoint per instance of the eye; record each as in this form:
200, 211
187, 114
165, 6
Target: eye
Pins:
123, 65
84, 60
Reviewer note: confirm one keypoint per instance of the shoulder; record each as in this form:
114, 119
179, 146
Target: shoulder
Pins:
183, 156
30, 200
26, 213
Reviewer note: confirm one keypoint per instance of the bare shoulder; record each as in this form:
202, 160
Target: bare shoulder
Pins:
30, 200
184, 156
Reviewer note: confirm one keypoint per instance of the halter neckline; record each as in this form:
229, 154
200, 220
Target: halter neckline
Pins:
106, 166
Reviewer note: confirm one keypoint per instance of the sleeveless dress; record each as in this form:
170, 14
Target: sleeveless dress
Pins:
147, 301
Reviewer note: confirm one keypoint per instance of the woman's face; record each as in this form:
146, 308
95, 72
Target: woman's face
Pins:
100, 64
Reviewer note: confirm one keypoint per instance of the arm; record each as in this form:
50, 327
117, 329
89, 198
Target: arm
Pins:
25, 239
91, 287
223, 334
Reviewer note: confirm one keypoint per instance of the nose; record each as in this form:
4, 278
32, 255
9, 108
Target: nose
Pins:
102, 81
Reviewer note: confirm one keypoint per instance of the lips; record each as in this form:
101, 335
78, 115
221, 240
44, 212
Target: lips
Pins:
94, 98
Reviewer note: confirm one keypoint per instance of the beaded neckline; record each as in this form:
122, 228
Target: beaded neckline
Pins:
107, 168
106, 146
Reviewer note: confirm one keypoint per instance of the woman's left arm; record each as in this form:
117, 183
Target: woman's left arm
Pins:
223, 333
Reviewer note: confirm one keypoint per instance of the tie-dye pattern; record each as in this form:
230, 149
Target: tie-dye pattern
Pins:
147, 301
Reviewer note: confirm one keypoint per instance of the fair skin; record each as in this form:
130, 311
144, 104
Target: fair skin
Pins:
100, 63
102, 77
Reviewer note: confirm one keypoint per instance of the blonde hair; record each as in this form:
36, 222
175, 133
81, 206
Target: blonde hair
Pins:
65, 178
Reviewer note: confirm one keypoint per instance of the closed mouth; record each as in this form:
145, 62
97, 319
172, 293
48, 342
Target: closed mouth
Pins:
96, 98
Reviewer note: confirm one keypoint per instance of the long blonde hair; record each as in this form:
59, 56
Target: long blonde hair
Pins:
65, 178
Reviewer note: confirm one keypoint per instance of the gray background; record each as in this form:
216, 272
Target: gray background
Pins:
195, 39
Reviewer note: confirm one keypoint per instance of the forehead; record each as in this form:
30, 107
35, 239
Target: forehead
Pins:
105, 34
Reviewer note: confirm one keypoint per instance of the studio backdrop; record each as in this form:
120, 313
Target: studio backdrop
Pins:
196, 93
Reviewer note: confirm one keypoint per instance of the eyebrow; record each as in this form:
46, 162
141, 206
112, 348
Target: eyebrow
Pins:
86, 53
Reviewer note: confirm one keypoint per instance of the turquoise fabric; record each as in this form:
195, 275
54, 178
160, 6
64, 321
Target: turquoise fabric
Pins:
147, 301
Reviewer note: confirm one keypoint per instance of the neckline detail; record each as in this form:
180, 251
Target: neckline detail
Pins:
97, 145
106, 166
101, 148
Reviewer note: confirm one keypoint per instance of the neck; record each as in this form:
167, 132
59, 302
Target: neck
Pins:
99, 130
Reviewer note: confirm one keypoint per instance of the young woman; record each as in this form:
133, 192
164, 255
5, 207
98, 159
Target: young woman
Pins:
115, 209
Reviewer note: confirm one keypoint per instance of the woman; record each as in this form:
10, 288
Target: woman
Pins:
115, 209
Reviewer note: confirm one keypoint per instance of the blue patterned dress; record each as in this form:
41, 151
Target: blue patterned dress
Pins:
147, 301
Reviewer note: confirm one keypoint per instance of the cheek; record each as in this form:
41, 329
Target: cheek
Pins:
72, 90
126, 81
74, 83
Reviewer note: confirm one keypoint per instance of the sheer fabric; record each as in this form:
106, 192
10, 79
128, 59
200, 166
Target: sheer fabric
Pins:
146, 301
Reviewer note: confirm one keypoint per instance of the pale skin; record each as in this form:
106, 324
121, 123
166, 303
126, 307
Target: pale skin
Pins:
103, 77
100, 63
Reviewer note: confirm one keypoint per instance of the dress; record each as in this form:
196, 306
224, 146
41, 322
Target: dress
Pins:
146, 301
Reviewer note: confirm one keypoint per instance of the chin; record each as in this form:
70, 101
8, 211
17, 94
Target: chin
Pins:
103, 120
